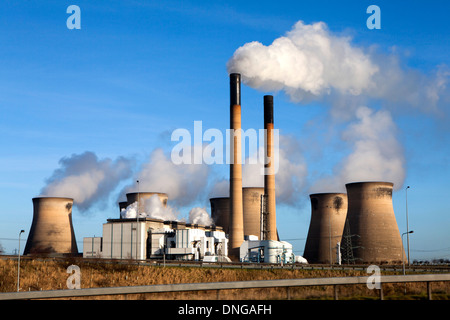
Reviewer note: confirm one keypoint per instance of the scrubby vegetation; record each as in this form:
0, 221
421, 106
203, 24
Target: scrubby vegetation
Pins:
39, 274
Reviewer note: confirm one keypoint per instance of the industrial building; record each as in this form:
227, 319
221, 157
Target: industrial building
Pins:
146, 238
266, 251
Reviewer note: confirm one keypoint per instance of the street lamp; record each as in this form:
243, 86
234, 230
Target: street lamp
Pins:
403, 249
18, 263
407, 223
137, 222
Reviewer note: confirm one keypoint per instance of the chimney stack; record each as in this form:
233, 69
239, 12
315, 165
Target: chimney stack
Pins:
236, 206
269, 175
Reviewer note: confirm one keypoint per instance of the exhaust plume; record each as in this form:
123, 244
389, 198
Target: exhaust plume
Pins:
311, 63
199, 215
376, 154
87, 179
153, 208
183, 183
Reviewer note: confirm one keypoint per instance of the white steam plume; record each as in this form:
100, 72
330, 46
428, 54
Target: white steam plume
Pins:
87, 179
152, 208
183, 183
199, 215
311, 63
291, 175
376, 153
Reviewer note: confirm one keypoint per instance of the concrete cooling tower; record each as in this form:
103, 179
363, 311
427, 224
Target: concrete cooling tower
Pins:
252, 210
143, 196
220, 212
52, 230
375, 237
328, 213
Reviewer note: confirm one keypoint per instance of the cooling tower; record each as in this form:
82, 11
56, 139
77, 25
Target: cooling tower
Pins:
143, 196
269, 175
236, 218
252, 210
123, 205
220, 212
328, 213
51, 230
372, 224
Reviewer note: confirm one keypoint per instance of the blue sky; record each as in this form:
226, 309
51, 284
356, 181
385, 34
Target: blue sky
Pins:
137, 70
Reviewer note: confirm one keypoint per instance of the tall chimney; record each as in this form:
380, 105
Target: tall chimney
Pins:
237, 217
269, 175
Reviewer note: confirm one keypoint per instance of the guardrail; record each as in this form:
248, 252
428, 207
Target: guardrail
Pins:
286, 283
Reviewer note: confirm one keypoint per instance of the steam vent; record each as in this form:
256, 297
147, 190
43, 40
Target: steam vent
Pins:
52, 230
372, 225
328, 213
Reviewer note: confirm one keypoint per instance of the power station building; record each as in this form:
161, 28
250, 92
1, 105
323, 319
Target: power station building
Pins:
147, 238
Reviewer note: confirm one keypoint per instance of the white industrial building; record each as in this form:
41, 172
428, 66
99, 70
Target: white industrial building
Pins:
156, 239
269, 251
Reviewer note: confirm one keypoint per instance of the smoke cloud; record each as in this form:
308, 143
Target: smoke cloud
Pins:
183, 183
311, 63
291, 176
199, 215
152, 208
87, 179
376, 153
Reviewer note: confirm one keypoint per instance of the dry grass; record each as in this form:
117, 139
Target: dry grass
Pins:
51, 275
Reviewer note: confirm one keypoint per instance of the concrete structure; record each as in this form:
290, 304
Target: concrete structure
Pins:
371, 220
133, 197
328, 213
236, 232
51, 230
157, 239
252, 210
269, 175
266, 251
220, 212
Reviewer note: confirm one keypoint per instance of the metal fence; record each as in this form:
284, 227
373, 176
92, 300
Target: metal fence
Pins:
217, 286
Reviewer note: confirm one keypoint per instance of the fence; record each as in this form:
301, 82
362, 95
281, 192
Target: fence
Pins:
286, 283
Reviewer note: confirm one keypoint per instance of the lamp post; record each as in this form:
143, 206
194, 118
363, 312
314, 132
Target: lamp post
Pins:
18, 263
403, 250
137, 222
407, 223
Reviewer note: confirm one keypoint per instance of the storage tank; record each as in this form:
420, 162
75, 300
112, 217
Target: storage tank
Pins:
372, 223
328, 213
252, 210
220, 212
51, 231
132, 197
